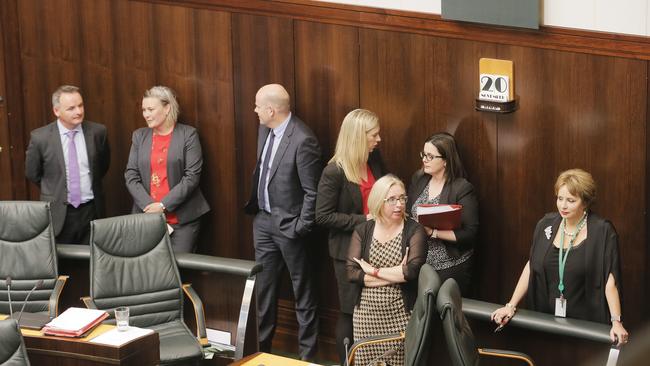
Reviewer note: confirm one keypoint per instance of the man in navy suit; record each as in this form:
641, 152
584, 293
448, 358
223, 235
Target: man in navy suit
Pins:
283, 200
67, 159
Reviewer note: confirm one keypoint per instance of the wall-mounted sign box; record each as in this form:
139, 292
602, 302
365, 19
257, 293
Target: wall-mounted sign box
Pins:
496, 86
512, 13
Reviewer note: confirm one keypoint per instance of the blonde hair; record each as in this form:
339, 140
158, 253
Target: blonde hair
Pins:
166, 97
579, 183
379, 192
351, 152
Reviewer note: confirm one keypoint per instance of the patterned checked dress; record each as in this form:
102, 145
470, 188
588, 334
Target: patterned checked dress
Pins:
381, 309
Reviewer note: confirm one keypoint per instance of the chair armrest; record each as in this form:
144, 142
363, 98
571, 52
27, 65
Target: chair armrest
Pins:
199, 313
53, 304
88, 301
373, 340
506, 354
541, 322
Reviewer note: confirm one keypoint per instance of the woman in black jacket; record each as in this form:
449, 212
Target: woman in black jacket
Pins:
574, 265
342, 202
441, 180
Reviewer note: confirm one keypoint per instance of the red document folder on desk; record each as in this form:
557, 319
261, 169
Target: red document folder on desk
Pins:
441, 217
74, 322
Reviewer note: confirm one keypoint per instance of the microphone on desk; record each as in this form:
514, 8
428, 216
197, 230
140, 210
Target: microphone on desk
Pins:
8, 281
36, 286
346, 344
387, 354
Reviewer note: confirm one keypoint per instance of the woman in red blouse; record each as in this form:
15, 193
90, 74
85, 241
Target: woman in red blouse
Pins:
164, 168
342, 202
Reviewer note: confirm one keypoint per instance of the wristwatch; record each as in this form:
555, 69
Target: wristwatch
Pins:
615, 318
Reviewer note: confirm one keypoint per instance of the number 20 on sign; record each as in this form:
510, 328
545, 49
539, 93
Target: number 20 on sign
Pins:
496, 80
494, 87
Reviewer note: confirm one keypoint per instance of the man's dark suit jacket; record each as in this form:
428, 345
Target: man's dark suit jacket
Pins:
292, 179
184, 164
339, 206
45, 166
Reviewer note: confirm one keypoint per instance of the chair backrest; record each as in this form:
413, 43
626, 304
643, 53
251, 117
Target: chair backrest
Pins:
28, 254
418, 329
132, 264
12, 345
460, 340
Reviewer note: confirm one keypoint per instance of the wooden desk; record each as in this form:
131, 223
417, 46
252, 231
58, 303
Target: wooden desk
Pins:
261, 358
62, 351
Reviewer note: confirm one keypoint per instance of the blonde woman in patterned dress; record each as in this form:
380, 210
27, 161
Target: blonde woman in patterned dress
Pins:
385, 257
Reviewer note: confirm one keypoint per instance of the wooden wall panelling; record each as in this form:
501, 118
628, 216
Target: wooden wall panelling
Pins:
32, 53
327, 88
215, 120
134, 55
546, 37
13, 104
451, 89
392, 84
6, 190
262, 54
98, 86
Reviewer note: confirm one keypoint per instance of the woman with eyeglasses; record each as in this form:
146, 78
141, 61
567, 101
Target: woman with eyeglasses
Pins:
384, 259
342, 202
441, 180
574, 265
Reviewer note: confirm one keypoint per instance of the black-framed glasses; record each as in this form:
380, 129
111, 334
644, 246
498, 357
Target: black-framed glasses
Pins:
393, 200
428, 157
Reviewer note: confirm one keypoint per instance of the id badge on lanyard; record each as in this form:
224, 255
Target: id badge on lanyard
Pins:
560, 306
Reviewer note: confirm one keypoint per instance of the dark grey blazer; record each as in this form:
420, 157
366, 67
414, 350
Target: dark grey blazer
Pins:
45, 166
339, 205
293, 178
460, 191
184, 164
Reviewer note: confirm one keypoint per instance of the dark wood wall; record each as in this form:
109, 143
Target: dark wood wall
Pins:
583, 103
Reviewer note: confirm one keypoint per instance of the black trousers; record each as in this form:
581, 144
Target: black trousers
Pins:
348, 293
275, 251
76, 227
462, 273
184, 237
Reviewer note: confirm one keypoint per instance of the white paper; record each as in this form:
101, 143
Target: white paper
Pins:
75, 319
116, 338
218, 336
427, 210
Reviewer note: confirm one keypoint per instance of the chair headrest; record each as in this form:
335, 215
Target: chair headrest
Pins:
449, 298
129, 235
23, 220
428, 280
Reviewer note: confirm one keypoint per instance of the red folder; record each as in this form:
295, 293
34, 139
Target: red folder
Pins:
441, 217
74, 322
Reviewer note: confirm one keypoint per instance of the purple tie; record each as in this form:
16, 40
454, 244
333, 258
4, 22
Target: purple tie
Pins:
74, 182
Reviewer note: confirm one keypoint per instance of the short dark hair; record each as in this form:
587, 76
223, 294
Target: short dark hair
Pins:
446, 145
63, 89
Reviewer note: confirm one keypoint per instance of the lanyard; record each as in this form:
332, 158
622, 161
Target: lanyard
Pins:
562, 257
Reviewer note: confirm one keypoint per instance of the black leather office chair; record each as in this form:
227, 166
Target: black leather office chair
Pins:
12, 345
132, 264
28, 255
459, 336
417, 334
